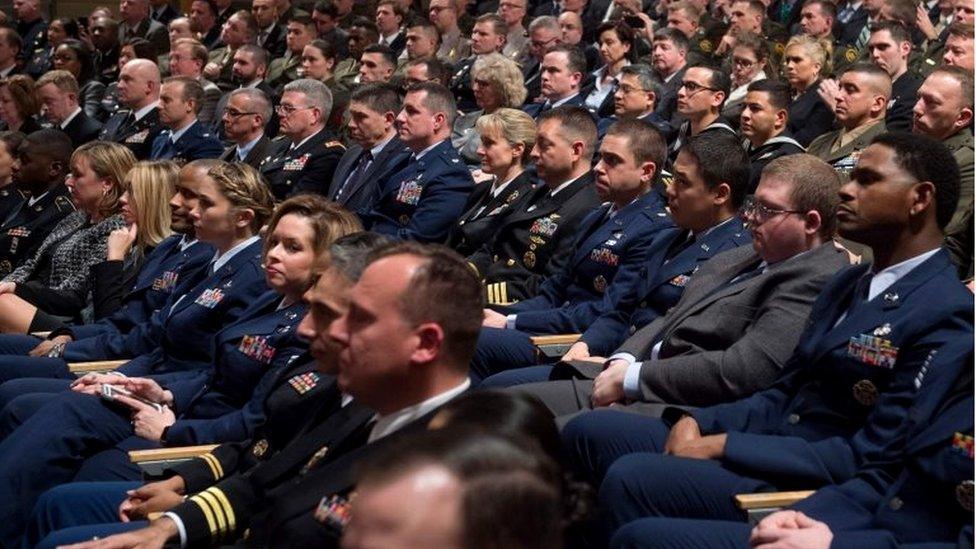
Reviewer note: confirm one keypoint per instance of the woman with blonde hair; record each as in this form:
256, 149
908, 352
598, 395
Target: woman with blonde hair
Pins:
805, 61
497, 82
55, 281
506, 138
19, 104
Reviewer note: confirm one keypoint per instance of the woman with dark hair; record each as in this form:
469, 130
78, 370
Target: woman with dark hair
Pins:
318, 63
75, 57
19, 104
58, 31
617, 47
749, 63
10, 196
133, 48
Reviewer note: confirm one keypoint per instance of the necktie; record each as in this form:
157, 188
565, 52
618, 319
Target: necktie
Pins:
166, 151
350, 183
748, 273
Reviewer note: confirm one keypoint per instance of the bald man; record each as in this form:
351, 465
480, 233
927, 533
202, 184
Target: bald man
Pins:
860, 106
136, 123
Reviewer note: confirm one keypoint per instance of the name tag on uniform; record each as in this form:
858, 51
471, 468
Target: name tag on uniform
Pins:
138, 137
166, 282
605, 256
873, 351
210, 298
256, 348
409, 192
296, 164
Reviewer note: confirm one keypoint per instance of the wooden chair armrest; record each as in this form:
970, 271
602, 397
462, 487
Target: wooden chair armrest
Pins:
559, 339
42, 335
169, 454
96, 366
770, 500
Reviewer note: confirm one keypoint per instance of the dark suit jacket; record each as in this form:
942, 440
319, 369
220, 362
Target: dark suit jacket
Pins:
167, 14
275, 42
667, 104
809, 116
152, 31
361, 197
723, 341
82, 129
254, 157
904, 94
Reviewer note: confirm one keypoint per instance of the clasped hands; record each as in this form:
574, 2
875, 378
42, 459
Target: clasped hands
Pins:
147, 421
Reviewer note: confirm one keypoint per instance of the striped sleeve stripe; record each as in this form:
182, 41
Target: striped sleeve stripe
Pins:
215, 467
208, 513
218, 511
228, 508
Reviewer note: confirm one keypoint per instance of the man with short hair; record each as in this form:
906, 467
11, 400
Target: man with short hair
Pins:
42, 163
326, 16
750, 16
188, 58
512, 13
944, 111
842, 397
562, 73
889, 48
534, 240
270, 35
137, 125
860, 109
571, 32
959, 46
487, 36
104, 33
249, 69
611, 248
31, 27
58, 92
362, 34
763, 123
244, 118
544, 34
10, 47
423, 42
669, 51
185, 139
305, 154
423, 200
636, 98
817, 18
389, 22
377, 64
454, 47
426, 70
240, 29
134, 15
700, 98
203, 21
378, 152
282, 70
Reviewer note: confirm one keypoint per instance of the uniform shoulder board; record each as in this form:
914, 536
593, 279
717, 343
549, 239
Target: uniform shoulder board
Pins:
705, 45
63, 203
331, 144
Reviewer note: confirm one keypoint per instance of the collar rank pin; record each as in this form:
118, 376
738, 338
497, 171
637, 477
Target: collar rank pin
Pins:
891, 298
883, 330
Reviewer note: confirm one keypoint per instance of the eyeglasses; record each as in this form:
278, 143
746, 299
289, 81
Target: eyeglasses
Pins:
234, 113
539, 45
287, 110
758, 213
630, 89
694, 87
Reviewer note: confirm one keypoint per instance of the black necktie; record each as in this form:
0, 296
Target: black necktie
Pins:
357, 174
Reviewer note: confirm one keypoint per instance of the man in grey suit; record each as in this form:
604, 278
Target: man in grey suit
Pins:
378, 153
244, 118
740, 315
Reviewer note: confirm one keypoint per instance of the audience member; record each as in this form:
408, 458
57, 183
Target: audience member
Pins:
58, 93
19, 104
185, 138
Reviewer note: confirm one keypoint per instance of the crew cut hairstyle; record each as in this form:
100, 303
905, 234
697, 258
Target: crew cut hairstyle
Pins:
777, 91
380, 97
721, 159
437, 99
577, 125
644, 141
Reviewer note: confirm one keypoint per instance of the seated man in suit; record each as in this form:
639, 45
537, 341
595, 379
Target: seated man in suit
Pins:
306, 154
611, 246
395, 331
636, 98
765, 114
535, 239
844, 393
378, 154
58, 92
859, 106
424, 199
245, 116
740, 315
137, 125
185, 138
563, 68
669, 53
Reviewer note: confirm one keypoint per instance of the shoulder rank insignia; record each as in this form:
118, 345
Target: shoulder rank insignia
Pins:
963, 443
256, 348
333, 511
303, 383
873, 351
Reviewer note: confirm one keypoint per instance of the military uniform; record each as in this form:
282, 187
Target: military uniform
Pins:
357, 187
283, 70
780, 145
844, 159
308, 167
961, 146
10, 199
33, 37
425, 199
137, 135
196, 143
484, 212
24, 230
534, 241
460, 85
223, 57
346, 72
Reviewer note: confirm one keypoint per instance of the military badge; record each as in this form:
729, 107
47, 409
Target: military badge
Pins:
138, 137
679, 281
964, 495
409, 192
705, 45
512, 197
297, 164
873, 351
604, 256
865, 392
529, 259
600, 284
545, 226
850, 54
303, 383
166, 282
883, 330
316, 457
256, 348
779, 49
260, 448
210, 298
963, 444
333, 511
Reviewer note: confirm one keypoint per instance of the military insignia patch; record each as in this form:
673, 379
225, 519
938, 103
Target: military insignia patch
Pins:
409, 192
705, 45
873, 351
964, 495
529, 259
545, 226
850, 54
963, 444
600, 284
865, 392
779, 49
210, 298
333, 511
138, 137
260, 448
605, 256
316, 457
256, 348
304, 383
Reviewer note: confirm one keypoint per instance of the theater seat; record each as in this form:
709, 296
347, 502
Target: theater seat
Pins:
759, 505
153, 462
554, 346
82, 368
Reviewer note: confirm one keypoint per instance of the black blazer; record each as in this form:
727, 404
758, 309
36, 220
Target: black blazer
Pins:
483, 213
253, 159
363, 195
82, 129
809, 116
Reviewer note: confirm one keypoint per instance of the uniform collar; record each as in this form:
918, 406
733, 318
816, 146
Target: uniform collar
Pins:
221, 260
883, 279
389, 424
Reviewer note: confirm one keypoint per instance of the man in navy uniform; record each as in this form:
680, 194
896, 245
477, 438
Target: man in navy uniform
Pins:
535, 240
612, 245
563, 69
424, 199
137, 125
763, 121
845, 392
378, 152
39, 169
306, 154
185, 138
